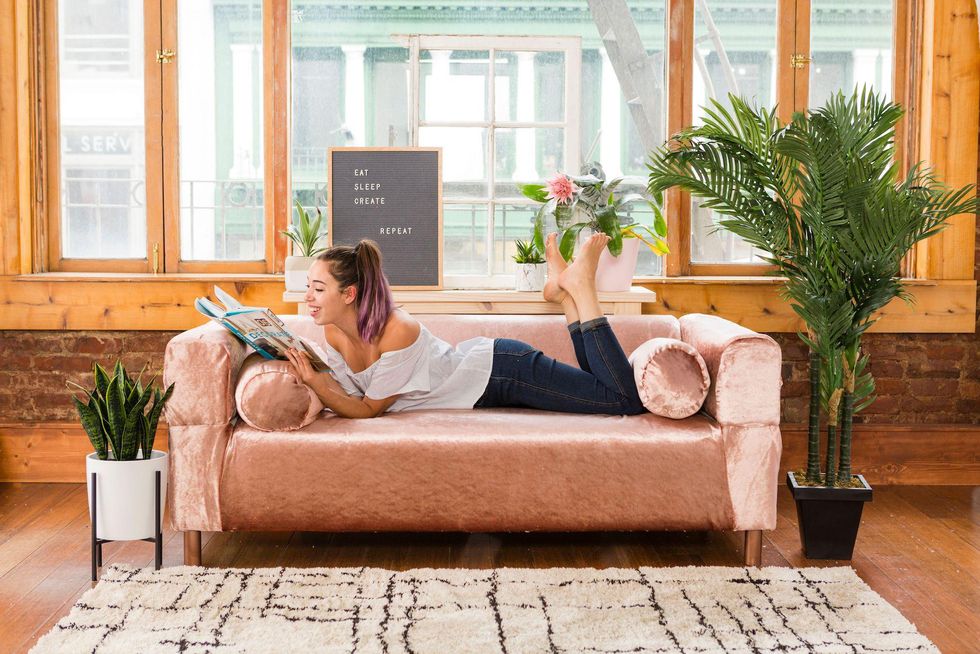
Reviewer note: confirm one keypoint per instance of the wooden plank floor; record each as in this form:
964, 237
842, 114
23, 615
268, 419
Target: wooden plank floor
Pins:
919, 547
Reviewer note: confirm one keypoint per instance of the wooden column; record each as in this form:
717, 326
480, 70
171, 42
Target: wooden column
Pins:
949, 106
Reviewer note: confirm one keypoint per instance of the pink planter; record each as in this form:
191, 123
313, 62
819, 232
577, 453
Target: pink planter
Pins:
616, 273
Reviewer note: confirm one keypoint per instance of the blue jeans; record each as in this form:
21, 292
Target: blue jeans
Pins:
523, 376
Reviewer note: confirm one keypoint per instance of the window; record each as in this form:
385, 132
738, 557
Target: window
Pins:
177, 145
220, 123
101, 160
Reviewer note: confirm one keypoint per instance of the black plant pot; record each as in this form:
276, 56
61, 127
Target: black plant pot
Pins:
829, 517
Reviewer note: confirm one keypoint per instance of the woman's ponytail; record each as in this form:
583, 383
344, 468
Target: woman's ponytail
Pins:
374, 300
360, 266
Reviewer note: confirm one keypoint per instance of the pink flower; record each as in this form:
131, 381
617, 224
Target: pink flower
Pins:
561, 188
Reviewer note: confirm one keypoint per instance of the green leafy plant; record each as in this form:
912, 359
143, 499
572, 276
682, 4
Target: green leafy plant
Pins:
305, 233
822, 197
527, 252
589, 201
116, 416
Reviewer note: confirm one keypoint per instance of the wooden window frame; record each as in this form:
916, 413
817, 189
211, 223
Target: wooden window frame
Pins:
571, 48
161, 126
942, 57
793, 18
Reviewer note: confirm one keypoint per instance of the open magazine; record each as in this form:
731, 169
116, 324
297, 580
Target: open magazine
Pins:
257, 327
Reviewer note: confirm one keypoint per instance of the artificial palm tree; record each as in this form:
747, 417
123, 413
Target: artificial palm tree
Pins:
822, 199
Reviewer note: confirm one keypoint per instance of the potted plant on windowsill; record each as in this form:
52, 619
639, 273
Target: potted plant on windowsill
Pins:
305, 235
531, 267
120, 418
823, 199
588, 201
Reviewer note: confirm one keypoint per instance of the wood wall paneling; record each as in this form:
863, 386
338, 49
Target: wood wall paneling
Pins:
928, 455
939, 307
50, 452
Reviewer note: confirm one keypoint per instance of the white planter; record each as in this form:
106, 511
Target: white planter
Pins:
615, 274
124, 495
531, 276
296, 269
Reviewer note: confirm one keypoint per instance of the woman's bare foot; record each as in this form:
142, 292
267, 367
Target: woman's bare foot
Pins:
579, 277
556, 264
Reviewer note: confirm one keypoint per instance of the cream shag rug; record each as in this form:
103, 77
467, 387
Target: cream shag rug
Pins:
694, 609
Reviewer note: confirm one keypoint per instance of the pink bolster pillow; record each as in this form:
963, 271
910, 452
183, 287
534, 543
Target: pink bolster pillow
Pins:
671, 377
271, 397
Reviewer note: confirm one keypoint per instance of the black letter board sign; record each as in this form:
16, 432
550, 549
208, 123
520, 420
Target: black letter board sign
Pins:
392, 196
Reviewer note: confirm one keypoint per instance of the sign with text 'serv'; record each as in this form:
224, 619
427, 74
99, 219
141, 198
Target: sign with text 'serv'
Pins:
392, 196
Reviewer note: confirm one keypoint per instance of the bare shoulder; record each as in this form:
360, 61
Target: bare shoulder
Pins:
332, 336
401, 331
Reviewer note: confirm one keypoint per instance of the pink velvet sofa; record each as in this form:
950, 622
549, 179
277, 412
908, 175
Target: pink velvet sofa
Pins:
482, 470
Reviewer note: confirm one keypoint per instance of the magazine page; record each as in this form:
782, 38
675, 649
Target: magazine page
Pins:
264, 331
259, 328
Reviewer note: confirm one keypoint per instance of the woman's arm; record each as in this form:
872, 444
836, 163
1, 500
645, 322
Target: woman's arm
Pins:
332, 394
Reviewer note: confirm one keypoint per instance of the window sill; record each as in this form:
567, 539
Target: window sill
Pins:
124, 301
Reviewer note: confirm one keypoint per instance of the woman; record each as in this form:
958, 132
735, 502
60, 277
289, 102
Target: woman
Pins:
384, 360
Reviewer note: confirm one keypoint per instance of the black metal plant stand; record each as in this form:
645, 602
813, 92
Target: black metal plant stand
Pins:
97, 542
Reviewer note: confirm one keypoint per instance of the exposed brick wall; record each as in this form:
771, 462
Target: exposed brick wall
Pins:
35, 365
921, 378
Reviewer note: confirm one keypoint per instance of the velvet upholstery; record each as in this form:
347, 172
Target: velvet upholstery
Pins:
745, 369
203, 365
484, 469
270, 397
671, 377
479, 470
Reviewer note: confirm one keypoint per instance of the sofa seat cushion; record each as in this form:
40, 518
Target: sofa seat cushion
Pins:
479, 470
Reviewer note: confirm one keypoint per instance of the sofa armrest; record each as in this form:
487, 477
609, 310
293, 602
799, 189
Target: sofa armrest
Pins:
745, 369
203, 365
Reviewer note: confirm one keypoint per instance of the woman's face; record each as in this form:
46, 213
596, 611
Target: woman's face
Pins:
324, 299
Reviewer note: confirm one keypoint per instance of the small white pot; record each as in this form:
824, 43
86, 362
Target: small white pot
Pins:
531, 276
615, 274
296, 269
124, 495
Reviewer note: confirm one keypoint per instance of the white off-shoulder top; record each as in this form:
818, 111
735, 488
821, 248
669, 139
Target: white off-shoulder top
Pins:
428, 374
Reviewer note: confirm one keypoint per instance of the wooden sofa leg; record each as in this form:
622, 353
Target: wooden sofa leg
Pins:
192, 548
753, 548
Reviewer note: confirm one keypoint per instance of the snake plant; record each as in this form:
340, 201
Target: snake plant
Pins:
305, 233
527, 252
116, 416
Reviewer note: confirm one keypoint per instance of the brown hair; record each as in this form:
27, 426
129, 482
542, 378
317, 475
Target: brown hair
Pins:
360, 266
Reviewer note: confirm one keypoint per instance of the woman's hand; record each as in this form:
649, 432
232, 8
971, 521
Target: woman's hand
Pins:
302, 366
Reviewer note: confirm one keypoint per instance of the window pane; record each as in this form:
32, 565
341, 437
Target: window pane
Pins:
525, 155
529, 86
103, 174
510, 222
345, 92
851, 47
734, 53
221, 166
455, 85
464, 229
464, 159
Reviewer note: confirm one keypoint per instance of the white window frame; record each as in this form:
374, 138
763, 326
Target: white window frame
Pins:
572, 49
